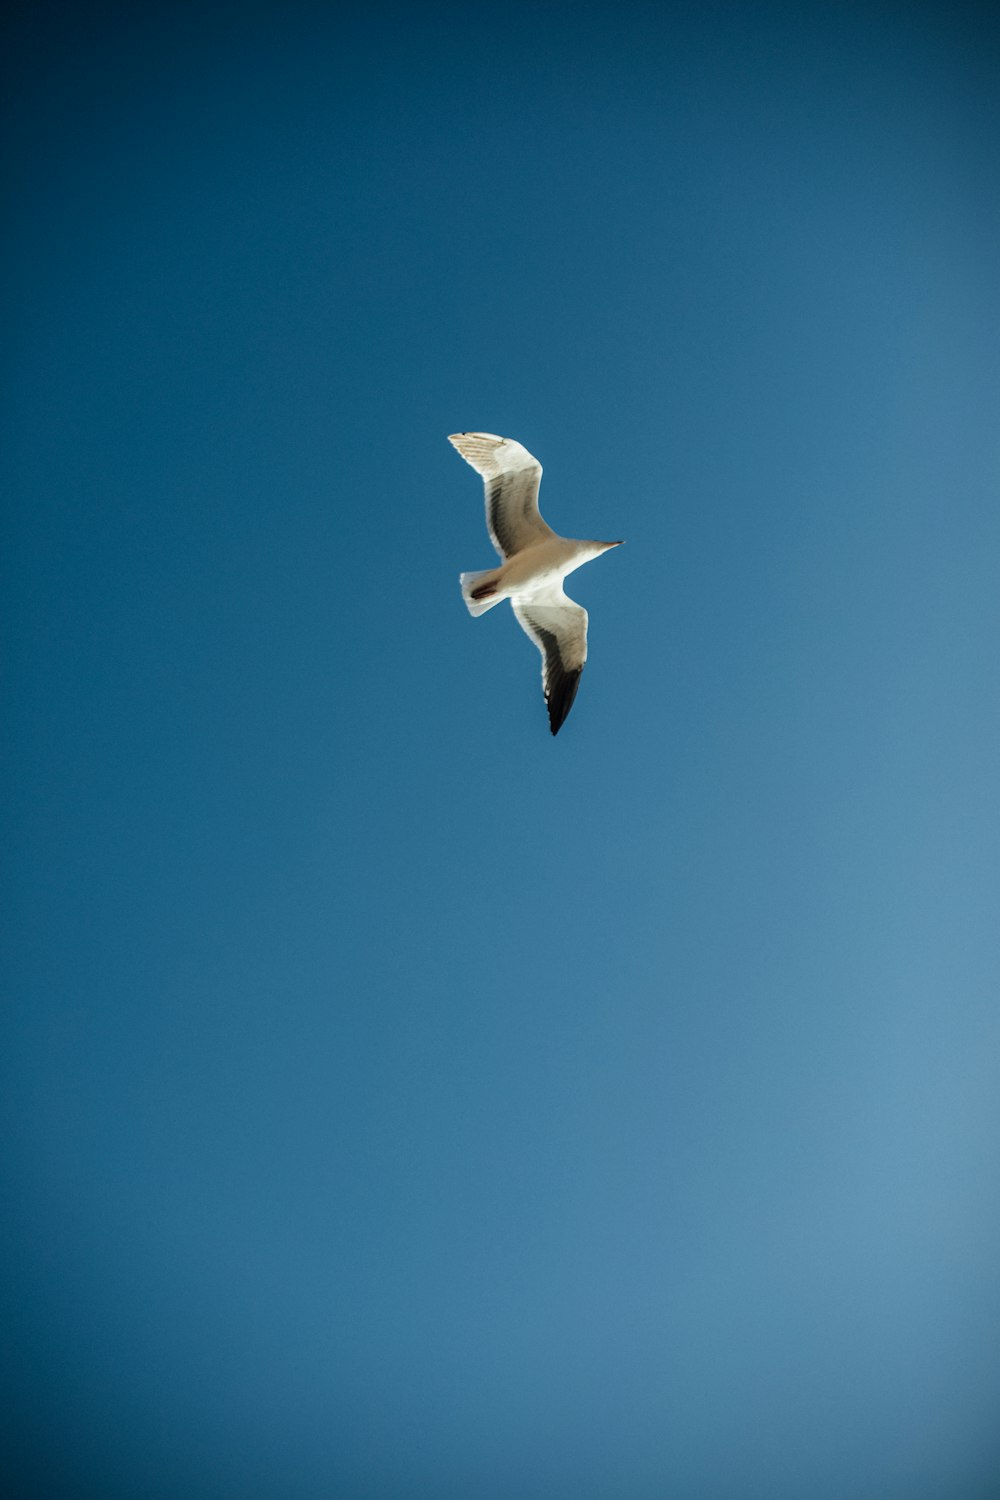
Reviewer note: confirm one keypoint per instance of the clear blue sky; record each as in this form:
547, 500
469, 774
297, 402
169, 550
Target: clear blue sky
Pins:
399, 1102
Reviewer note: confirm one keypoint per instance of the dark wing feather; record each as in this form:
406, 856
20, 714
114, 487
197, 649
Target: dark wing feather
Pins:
558, 627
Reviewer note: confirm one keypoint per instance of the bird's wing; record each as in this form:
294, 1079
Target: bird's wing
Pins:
558, 627
511, 477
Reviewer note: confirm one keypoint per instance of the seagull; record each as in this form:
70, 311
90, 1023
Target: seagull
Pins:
535, 560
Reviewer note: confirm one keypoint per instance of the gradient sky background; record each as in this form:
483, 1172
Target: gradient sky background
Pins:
400, 1102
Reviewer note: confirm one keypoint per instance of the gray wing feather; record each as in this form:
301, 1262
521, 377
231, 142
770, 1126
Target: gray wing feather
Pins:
511, 477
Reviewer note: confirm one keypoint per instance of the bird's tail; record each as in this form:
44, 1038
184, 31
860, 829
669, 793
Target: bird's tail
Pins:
480, 590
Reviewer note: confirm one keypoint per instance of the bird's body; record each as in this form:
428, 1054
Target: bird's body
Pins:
534, 562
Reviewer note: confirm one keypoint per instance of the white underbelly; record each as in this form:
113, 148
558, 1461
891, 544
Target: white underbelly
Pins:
539, 567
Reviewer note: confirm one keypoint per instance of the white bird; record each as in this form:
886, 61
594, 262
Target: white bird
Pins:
535, 562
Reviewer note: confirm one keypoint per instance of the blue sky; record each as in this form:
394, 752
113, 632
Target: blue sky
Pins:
398, 1101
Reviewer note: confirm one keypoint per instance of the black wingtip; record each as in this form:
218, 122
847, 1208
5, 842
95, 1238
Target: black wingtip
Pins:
560, 699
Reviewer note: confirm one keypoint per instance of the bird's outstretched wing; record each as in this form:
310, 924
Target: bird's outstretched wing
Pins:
558, 627
511, 477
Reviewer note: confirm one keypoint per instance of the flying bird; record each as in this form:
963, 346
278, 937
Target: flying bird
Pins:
535, 560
